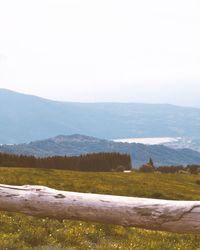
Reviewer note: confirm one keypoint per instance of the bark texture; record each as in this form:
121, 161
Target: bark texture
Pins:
164, 215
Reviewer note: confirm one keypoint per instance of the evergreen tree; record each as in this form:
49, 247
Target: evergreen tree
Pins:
151, 163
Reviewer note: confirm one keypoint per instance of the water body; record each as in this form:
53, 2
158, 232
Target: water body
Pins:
149, 141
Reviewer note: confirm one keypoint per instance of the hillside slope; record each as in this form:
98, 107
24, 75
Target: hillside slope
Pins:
79, 144
26, 118
27, 233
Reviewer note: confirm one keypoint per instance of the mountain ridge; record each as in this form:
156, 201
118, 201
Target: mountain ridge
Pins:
26, 118
92, 102
77, 144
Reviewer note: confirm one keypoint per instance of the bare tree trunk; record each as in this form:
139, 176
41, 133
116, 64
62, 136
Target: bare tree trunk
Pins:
165, 215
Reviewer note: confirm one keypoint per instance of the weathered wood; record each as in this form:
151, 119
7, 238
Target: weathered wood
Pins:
165, 215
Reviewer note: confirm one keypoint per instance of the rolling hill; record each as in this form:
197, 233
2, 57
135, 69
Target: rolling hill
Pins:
79, 144
25, 118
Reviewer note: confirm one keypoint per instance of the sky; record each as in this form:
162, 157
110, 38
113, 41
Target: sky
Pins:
102, 50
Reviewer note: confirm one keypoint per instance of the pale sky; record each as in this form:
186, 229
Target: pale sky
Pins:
105, 50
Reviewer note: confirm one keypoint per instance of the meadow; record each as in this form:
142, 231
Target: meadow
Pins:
21, 232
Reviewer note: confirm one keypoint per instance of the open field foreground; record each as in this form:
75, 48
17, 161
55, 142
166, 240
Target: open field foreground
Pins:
24, 232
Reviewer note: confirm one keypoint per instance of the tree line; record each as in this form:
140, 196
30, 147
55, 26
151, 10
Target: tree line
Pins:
149, 167
100, 162
192, 169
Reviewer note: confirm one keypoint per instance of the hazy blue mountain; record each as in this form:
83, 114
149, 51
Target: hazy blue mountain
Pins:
80, 144
25, 118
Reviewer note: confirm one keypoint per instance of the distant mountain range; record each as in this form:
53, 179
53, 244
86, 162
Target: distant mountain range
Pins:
80, 144
25, 118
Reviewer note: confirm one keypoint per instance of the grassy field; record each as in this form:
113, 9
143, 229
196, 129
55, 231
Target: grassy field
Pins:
22, 232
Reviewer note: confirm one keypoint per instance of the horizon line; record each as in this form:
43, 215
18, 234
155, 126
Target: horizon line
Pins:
97, 102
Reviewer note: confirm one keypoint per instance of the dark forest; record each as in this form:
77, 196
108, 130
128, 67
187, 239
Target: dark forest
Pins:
99, 162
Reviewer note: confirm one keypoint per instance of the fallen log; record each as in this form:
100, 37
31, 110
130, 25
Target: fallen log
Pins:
153, 214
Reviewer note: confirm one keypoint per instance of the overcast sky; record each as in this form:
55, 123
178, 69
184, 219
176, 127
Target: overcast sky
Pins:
105, 50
